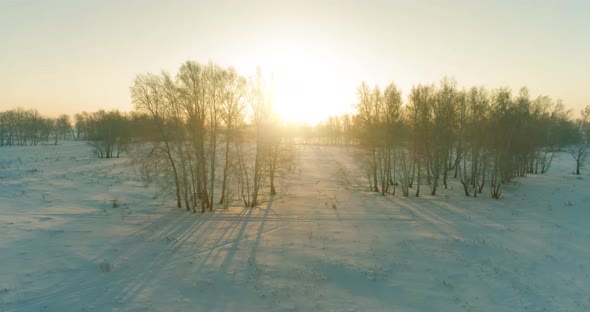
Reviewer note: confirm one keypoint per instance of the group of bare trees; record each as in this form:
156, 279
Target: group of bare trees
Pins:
335, 130
216, 132
27, 127
109, 132
481, 137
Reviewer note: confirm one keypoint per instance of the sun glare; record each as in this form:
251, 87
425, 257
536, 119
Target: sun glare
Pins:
304, 84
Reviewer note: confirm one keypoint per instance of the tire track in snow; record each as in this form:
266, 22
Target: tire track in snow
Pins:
286, 219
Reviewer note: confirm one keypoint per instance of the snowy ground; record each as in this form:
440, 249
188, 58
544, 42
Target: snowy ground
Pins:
322, 245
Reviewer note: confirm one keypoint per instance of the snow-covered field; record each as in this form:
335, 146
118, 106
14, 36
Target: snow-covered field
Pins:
321, 245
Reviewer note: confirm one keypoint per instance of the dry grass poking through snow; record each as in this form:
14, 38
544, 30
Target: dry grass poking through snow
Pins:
83, 234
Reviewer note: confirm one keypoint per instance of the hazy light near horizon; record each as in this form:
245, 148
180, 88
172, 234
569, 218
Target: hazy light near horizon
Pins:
69, 56
307, 87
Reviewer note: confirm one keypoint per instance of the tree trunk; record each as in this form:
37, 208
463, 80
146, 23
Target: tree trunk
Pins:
374, 165
419, 179
225, 167
176, 181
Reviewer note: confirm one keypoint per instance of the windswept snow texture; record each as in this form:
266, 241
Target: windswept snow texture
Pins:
323, 244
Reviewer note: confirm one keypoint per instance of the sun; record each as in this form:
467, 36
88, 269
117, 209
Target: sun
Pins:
305, 84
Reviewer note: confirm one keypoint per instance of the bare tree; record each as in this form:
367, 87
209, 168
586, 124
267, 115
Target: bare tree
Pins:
421, 105
63, 125
147, 95
260, 115
367, 120
232, 116
579, 150
390, 136
193, 85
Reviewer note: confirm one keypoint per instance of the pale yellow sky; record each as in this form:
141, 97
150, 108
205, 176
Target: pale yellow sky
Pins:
70, 56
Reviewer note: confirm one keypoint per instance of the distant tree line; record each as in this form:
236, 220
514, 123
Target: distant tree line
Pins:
21, 127
109, 132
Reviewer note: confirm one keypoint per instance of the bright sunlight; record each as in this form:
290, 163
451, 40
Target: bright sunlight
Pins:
305, 83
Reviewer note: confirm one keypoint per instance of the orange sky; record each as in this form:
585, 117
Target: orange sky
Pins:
69, 56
